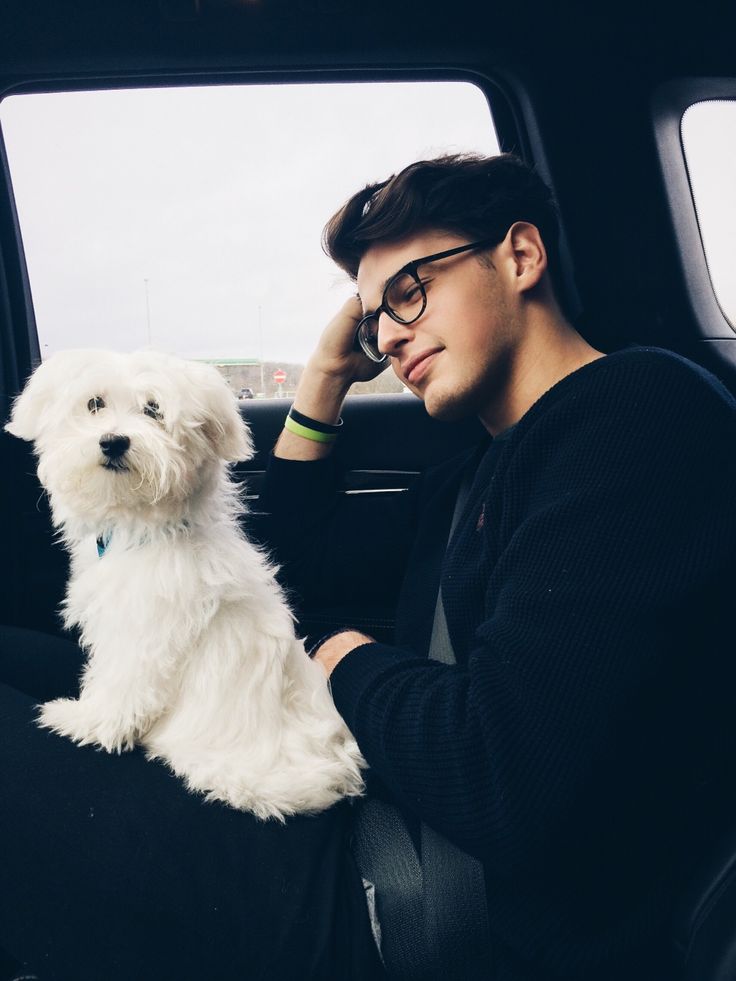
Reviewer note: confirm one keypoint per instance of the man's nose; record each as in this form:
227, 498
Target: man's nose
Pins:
392, 335
113, 445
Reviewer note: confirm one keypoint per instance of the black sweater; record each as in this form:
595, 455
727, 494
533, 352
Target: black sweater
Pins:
579, 746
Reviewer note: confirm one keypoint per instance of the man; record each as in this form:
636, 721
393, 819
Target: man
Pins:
578, 747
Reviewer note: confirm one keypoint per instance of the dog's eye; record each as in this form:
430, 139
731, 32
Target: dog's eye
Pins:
152, 409
96, 403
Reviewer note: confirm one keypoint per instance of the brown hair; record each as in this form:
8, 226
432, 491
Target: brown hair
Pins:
470, 195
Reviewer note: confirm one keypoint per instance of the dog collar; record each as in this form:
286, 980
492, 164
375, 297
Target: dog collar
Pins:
104, 539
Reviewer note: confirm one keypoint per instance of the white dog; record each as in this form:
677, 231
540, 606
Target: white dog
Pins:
191, 648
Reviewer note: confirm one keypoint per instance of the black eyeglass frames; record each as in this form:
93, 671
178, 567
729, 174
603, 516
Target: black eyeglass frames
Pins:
404, 299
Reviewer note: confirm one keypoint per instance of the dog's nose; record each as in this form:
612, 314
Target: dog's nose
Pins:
114, 446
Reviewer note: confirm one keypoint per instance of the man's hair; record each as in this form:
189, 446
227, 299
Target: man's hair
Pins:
467, 194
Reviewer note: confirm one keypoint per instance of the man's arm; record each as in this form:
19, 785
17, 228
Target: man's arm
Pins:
591, 649
306, 523
325, 381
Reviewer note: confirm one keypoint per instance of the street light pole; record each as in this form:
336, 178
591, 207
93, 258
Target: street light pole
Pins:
148, 312
260, 347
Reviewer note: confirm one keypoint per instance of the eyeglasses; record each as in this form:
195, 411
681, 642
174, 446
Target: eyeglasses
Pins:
404, 299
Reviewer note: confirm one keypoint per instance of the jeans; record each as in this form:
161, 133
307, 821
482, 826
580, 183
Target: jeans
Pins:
111, 870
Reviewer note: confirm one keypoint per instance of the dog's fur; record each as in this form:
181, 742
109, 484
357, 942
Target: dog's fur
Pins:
191, 649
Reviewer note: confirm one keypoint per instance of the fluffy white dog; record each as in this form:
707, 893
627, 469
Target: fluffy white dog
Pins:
191, 647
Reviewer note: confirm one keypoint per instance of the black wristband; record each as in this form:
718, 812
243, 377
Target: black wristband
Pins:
325, 637
320, 427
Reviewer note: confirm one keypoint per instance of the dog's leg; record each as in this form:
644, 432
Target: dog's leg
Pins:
86, 723
123, 692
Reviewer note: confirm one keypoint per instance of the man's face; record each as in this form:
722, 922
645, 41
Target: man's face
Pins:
457, 355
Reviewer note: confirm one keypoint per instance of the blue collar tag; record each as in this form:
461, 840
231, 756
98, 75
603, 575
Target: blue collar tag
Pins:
102, 542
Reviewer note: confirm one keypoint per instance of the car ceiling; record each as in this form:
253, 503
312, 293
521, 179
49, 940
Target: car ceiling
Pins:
652, 38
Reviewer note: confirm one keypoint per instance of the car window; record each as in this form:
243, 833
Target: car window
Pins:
190, 218
709, 142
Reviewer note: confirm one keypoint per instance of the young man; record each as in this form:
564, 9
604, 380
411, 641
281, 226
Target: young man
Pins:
579, 747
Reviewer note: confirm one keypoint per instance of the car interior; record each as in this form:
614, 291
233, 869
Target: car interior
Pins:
596, 96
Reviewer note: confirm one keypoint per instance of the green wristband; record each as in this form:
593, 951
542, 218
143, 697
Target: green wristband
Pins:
299, 430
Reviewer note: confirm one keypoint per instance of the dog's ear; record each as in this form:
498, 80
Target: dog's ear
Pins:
33, 404
221, 420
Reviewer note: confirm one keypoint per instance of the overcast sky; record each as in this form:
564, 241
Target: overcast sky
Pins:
216, 197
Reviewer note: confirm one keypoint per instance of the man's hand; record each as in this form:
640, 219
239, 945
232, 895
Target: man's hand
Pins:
334, 649
328, 374
335, 354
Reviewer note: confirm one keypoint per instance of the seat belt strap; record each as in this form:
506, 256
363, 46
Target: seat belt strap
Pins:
433, 915
455, 913
454, 890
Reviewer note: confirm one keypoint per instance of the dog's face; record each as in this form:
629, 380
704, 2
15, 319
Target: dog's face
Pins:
121, 433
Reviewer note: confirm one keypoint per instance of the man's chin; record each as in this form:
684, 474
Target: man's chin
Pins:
448, 408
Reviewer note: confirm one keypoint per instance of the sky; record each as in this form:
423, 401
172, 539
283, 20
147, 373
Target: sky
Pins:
190, 219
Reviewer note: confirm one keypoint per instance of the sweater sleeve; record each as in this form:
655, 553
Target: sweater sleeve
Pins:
332, 548
611, 537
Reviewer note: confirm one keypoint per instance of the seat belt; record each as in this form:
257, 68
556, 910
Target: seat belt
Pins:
432, 914
455, 911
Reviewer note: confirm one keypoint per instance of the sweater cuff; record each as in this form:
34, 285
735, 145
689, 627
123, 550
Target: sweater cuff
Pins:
288, 480
353, 677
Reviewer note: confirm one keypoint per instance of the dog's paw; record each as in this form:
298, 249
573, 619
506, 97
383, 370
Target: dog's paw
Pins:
63, 716
77, 720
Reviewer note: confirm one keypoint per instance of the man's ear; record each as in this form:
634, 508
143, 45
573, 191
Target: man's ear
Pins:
529, 254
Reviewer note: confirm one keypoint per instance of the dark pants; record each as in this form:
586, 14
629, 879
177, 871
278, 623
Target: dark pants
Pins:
111, 870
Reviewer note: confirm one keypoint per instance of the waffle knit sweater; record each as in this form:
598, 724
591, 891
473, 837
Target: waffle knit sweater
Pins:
578, 746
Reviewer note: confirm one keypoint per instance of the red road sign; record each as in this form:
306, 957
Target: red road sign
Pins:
279, 376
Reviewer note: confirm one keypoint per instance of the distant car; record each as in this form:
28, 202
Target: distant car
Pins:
245, 393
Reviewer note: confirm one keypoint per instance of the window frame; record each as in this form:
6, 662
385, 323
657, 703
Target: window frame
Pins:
669, 104
511, 116
19, 347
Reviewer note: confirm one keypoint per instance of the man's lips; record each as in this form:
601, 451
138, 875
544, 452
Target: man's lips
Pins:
415, 367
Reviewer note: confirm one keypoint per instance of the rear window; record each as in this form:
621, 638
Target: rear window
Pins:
189, 219
709, 142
